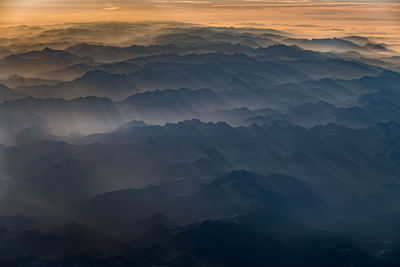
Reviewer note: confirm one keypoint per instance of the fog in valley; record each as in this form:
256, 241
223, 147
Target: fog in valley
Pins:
177, 144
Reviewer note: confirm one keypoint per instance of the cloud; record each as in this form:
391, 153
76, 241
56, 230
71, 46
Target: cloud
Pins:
224, 12
306, 25
110, 6
251, 24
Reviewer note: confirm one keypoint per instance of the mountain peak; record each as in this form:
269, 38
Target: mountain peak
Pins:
47, 50
100, 75
390, 73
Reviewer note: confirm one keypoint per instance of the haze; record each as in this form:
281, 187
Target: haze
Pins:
379, 19
199, 133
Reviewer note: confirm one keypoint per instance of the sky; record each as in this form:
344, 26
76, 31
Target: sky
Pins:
227, 12
377, 18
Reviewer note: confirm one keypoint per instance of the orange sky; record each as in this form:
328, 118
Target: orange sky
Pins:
202, 11
322, 17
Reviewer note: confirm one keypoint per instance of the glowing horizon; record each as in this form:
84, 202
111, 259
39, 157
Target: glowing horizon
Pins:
379, 19
365, 12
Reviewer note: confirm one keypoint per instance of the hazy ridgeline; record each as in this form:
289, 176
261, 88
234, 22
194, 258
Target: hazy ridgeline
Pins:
170, 144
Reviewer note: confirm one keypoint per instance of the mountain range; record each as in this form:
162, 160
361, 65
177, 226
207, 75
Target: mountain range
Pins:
172, 144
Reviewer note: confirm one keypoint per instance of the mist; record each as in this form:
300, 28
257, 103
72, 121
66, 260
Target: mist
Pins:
178, 144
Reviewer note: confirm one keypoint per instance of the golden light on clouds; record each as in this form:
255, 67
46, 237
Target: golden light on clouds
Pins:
201, 11
327, 17
110, 6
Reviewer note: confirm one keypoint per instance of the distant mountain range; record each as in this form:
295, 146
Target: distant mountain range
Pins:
169, 144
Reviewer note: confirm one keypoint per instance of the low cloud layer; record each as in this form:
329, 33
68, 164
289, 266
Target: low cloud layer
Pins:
221, 11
